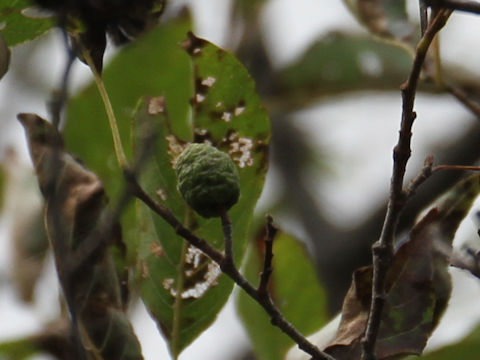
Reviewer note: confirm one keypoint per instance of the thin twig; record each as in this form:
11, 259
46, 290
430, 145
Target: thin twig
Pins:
427, 170
460, 5
456, 167
463, 97
423, 16
168, 216
227, 236
59, 100
383, 249
267, 262
227, 268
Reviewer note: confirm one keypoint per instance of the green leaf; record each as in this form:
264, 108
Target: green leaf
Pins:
343, 62
152, 65
53, 340
466, 349
22, 349
17, 25
385, 18
418, 284
182, 288
294, 288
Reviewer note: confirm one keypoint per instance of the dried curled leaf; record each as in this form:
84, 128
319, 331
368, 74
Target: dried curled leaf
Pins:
75, 209
418, 284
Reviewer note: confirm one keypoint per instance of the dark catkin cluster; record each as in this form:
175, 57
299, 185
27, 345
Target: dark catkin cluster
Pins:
208, 179
122, 20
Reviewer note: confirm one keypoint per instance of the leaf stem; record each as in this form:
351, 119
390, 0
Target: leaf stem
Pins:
117, 141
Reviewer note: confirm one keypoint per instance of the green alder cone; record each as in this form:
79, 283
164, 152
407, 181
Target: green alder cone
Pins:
208, 179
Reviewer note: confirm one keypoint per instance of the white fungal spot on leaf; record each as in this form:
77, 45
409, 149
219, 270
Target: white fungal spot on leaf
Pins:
241, 150
156, 105
156, 249
201, 132
168, 283
209, 81
175, 148
162, 194
239, 110
33, 12
145, 273
199, 98
227, 116
218, 104
200, 274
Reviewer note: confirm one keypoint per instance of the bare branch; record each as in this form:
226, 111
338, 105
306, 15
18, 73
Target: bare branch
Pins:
227, 236
460, 5
456, 167
383, 249
423, 16
463, 97
228, 267
267, 263
427, 170
57, 104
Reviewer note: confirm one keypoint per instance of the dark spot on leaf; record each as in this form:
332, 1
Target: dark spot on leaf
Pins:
193, 45
202, 135
220, 54
201, 86
156, 249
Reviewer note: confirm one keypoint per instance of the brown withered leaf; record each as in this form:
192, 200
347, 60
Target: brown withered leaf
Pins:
75, 211
418, 284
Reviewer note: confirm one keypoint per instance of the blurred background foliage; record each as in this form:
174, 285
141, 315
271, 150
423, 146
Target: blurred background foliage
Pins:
364, 63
